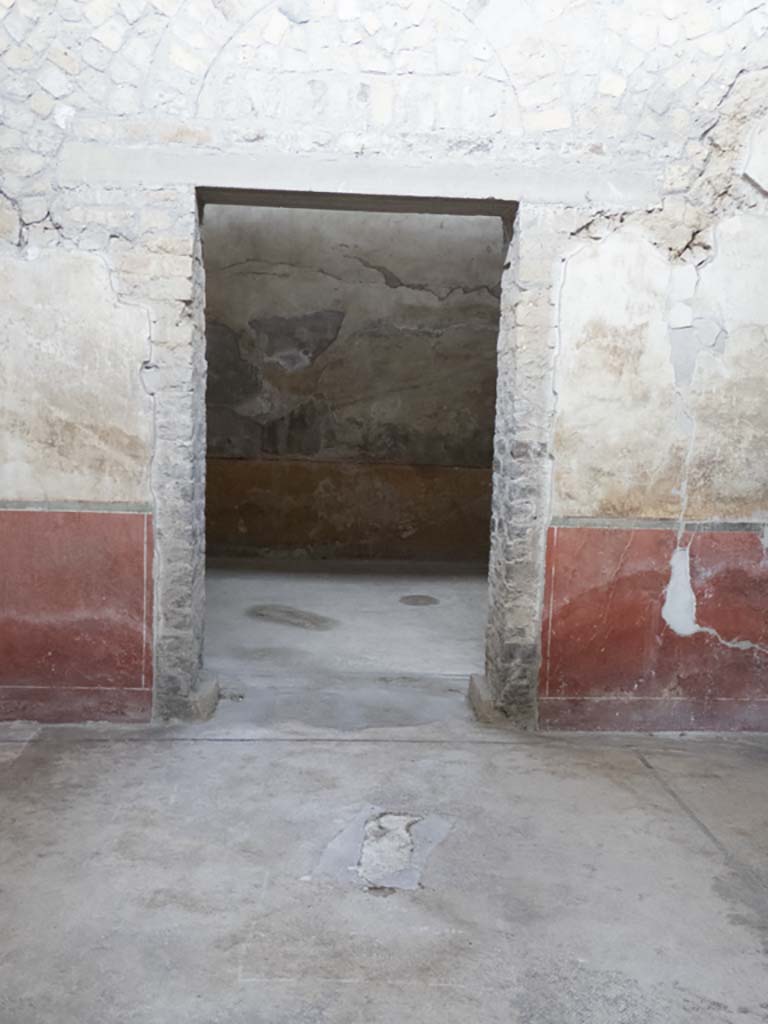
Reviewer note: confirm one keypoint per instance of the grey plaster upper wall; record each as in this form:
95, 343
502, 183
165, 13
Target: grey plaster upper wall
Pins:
352, 335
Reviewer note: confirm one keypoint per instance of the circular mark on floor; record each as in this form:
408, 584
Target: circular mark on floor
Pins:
419, 599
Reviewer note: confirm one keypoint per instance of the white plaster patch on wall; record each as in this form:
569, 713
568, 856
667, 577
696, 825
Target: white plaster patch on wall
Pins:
679, 608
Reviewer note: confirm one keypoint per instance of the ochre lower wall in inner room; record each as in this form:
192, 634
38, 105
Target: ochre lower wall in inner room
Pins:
348, 510
75, 615
610, 658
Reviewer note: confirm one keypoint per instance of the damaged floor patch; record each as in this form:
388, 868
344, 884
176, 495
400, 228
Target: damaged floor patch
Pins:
380, 849
387, 848
283, 615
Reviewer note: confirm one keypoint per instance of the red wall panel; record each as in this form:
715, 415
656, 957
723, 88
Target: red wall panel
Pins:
75, 615
610, 661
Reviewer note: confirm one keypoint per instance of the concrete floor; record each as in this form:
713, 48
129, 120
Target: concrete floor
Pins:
291, 869
344, 644
208, 874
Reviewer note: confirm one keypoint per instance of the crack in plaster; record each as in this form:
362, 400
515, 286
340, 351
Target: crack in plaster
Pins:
679, 608
661, 221
223, 47
16, 209
391, 280
278, 270
22, 239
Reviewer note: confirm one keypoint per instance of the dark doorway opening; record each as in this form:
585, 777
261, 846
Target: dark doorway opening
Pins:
350, 405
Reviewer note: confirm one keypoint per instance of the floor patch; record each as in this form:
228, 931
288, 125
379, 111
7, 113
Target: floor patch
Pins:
284, 615
381, 851
387, 848
419, 599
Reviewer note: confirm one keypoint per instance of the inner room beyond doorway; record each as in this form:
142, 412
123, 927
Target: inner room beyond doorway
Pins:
350, 409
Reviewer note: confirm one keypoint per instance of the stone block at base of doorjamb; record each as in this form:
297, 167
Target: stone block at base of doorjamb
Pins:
196, 706
484, 706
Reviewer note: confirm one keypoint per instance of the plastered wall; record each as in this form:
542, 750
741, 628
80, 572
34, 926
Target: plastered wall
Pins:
627, 565
351, 382
655, 610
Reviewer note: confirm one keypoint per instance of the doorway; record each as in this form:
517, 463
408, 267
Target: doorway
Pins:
350, 407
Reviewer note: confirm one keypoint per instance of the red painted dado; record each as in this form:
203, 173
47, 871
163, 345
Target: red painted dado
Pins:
75, 615
610, 661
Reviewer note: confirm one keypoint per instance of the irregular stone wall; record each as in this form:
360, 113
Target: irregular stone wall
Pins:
641, 121
356, 343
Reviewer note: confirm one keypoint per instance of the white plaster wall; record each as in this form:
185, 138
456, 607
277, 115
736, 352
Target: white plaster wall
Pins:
75, 421
662, 377
620, 444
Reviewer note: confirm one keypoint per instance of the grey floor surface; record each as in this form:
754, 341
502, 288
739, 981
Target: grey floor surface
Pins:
298, 871
345, 645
